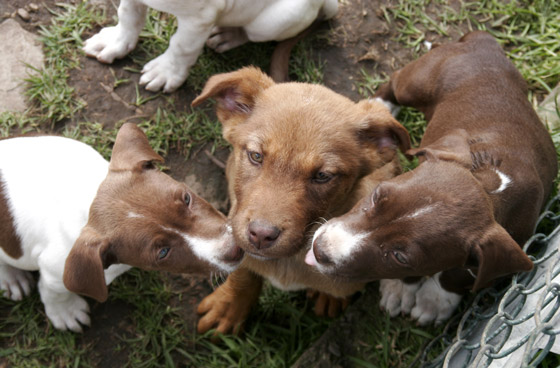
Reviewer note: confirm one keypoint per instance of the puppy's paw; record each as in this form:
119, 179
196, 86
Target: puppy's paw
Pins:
397, 296
433, 303
226, 38
223, 310
15, 283
164, 72
328, 305
110, 43
67, 311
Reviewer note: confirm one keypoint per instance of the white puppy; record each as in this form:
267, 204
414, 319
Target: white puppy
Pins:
225, 24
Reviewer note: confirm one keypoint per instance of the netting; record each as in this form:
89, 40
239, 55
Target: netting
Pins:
511, 325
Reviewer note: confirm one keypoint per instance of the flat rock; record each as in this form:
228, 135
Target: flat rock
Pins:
19, 47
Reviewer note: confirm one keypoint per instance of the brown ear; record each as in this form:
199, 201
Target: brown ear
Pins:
132, 150
498, 255
235, 93
382, 128
83, 270
451, 147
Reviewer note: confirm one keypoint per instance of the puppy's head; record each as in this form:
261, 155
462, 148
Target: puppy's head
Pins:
299, 154
144, 218
434, 218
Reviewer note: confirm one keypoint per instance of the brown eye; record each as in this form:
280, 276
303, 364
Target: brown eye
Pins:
322, 177
255, 157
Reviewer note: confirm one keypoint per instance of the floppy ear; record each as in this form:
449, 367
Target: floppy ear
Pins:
498, 255
235, 93
132, 150
451, 147
382, 128
83, 270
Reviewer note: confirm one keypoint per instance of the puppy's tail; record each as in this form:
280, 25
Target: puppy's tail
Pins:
280, 59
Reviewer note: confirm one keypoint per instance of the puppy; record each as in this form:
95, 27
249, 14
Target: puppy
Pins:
82, 221
301, 153
486, 167
222, 25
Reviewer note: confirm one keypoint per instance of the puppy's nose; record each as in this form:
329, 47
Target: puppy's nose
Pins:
262, 235
320, 256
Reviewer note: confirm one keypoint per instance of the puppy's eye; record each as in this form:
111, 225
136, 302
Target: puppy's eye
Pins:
399, 257
323, 177
187, 199
256, 158
163, 252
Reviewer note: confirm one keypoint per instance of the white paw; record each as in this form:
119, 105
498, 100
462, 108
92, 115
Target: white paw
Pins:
164, 71
397, 296
110, 43
15, 283
433, 303
67, 311
226, 38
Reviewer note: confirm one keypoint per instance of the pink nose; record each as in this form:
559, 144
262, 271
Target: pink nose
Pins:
262, 235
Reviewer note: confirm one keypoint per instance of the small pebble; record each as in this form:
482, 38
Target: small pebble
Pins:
33, 7
23, 14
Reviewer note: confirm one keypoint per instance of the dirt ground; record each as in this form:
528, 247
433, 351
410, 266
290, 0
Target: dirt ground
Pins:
360, 39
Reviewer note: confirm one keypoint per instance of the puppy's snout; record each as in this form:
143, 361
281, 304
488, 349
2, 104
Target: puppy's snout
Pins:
262, 235
320, 256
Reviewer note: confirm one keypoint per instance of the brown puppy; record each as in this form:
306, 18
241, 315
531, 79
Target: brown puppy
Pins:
487, 166
301, 153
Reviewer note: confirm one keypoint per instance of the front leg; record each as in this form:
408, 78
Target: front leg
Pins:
66, 310
116, 42
328, 305
169, 70
15, 283
226, 309
398, 296
434, 303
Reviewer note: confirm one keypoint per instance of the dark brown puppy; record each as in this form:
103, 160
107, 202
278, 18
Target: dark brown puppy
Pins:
487, 166
301, 153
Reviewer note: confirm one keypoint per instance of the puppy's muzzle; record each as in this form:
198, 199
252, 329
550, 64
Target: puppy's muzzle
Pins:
262, 235
321, 256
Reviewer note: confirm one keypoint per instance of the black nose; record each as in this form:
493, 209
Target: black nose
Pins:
319, 253
262, 235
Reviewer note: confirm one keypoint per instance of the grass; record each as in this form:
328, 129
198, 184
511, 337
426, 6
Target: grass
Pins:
282, 327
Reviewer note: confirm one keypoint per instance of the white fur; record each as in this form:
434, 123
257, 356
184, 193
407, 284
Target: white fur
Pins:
505, 181
393, 109
49, 183
397, 296
339, 243
208, 249
420, 212
433, 303
263, 20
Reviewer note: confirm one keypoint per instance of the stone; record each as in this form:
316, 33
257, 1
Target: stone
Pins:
23, 14
547, 109
19, 47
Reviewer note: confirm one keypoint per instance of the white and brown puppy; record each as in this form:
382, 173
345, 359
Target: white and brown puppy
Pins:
222, 24
486, 167
81, 221
301, 153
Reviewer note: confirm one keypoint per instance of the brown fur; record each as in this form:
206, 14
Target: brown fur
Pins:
303, 133
480, 122
134, 185
11, 243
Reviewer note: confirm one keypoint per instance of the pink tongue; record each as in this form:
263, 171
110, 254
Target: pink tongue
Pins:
310, 258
